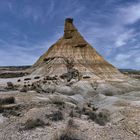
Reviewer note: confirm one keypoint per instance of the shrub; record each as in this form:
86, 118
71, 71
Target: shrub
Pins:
10, 112
100, 118
7, 100
27, 79
71, 114
24, 89
71, 124
10, 85
50, 78
67, 136
68, 133
57, 116
92, 116
36, 77
109, 94
75, 113
30, 124
18, 80
58, 101
103, 118
94, 108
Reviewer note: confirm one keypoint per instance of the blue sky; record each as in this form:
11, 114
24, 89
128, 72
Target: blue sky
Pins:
29, 27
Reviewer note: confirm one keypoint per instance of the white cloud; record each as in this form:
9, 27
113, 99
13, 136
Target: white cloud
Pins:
50, 9
122, 61
122, 57
124, 38
10, 6
34, 13
130, 14
23, 52
128, 59
137, 60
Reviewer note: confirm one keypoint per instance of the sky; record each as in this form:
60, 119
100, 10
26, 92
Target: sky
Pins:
29, 27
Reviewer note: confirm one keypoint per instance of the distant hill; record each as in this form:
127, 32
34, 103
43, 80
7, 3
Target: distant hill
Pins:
13, 71
131, 72
14, 67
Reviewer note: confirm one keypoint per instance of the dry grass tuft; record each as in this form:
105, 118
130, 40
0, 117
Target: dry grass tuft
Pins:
56, 116
69, 133
31, 124
7, 100
100, 118
58, 101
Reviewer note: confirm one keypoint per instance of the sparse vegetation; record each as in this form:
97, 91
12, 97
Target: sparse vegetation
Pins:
86, 77
7, 100
36, 77
67, 136
92, 115
11, 112
12, 74
100, 118
58, 101
109, 94
31, 124
24, 89
55, 116
50, 78
75, 113
68, 133
71, 124
27, 79
18, 80
10, 86
71, 114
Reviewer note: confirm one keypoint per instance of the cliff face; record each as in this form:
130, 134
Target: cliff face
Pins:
72, 52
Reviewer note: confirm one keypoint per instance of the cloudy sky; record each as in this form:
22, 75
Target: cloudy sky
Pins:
29, 27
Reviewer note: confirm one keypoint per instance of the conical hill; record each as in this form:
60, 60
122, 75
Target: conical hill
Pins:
73, 52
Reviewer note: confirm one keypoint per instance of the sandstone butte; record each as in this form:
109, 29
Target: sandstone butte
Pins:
73, 52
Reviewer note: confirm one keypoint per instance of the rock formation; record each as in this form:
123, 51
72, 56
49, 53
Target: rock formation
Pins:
73, 55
